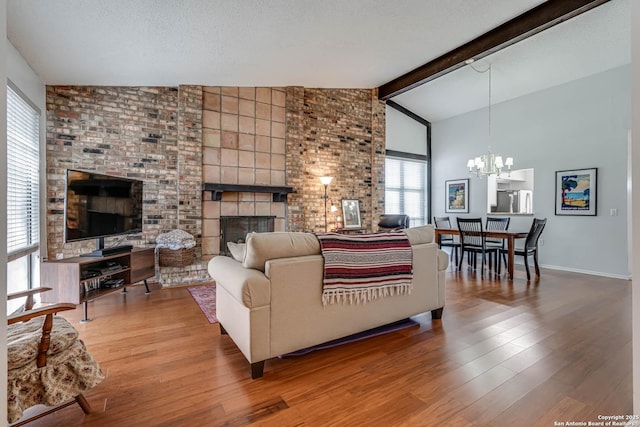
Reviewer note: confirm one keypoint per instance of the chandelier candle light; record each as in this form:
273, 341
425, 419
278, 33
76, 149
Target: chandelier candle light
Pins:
490, 163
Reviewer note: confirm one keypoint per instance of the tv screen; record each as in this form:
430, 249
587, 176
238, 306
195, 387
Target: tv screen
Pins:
101, 205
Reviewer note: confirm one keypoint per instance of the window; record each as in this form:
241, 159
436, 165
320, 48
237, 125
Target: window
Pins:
23, 207
405, 188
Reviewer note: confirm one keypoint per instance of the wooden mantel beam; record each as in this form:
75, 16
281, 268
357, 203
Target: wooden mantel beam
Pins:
279, 193
531, 22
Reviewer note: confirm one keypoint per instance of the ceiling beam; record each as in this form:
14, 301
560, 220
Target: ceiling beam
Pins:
533, 21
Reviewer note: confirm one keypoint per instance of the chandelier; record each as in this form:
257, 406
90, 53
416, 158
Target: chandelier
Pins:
489, 163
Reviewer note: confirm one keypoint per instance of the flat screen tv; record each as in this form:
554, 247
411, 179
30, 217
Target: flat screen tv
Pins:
98, 206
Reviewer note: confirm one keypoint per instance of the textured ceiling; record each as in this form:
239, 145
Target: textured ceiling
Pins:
329, 43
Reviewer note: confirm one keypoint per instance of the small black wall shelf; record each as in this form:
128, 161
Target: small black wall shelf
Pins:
279, 193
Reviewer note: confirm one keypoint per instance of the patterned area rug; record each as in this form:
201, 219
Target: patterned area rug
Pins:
205, 297
380, 330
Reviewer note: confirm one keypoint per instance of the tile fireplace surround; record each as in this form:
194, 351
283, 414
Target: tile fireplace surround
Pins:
244, 151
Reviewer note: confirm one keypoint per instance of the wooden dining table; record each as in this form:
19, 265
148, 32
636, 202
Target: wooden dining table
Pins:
509, 236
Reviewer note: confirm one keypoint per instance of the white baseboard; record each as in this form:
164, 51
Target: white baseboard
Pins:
568, 269
593, 273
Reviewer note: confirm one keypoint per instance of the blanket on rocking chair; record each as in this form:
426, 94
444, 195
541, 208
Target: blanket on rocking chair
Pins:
361, 268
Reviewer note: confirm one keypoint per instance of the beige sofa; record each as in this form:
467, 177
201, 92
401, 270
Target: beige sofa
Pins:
270, 303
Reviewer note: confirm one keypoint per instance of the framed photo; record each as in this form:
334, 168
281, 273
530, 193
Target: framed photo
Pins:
351, 213
577, 192
457, 193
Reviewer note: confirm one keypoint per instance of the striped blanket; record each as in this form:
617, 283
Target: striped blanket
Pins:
364, 267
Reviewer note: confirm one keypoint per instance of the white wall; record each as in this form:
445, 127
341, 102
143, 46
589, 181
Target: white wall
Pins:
3, 210
635, 159
14, 67
581, 124
21, 74
404, 133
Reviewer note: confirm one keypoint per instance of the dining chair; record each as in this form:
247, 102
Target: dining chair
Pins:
530, 246
447, 240
497, 224
473, 241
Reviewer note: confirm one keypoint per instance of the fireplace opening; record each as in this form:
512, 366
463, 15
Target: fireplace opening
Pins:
235, 229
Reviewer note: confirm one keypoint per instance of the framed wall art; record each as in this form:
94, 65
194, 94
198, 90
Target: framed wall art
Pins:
351, 213
577, 192
457, 194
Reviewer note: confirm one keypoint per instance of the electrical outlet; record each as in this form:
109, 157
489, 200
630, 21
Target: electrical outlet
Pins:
541, 241
613, 212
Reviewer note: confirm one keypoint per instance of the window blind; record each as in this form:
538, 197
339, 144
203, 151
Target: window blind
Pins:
405, 191
23, 158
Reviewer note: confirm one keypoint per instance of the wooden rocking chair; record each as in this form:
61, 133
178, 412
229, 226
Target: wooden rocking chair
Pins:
47, 363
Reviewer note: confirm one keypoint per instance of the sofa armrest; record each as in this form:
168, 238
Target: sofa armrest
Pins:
248, 286
443, 260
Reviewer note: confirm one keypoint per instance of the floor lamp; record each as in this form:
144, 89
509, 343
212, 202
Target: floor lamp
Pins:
325, 180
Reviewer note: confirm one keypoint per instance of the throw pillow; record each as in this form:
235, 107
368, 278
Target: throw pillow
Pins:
237, 250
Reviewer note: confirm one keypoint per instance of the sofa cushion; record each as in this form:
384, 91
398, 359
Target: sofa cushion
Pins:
420, 235
24, 338
261, 247
237, 250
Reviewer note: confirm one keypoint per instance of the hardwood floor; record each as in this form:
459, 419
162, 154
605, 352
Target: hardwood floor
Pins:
504, 354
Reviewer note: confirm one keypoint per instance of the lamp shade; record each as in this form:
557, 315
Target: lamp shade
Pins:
326, 180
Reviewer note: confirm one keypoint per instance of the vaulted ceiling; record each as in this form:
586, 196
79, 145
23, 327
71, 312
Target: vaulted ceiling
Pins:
590, 43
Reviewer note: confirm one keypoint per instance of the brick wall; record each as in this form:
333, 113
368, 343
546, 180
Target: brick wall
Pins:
149, 133
338, 133
378, 150
175, 139
189, 159
129, 132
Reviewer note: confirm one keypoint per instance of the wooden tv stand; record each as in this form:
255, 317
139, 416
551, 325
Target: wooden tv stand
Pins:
81, 279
